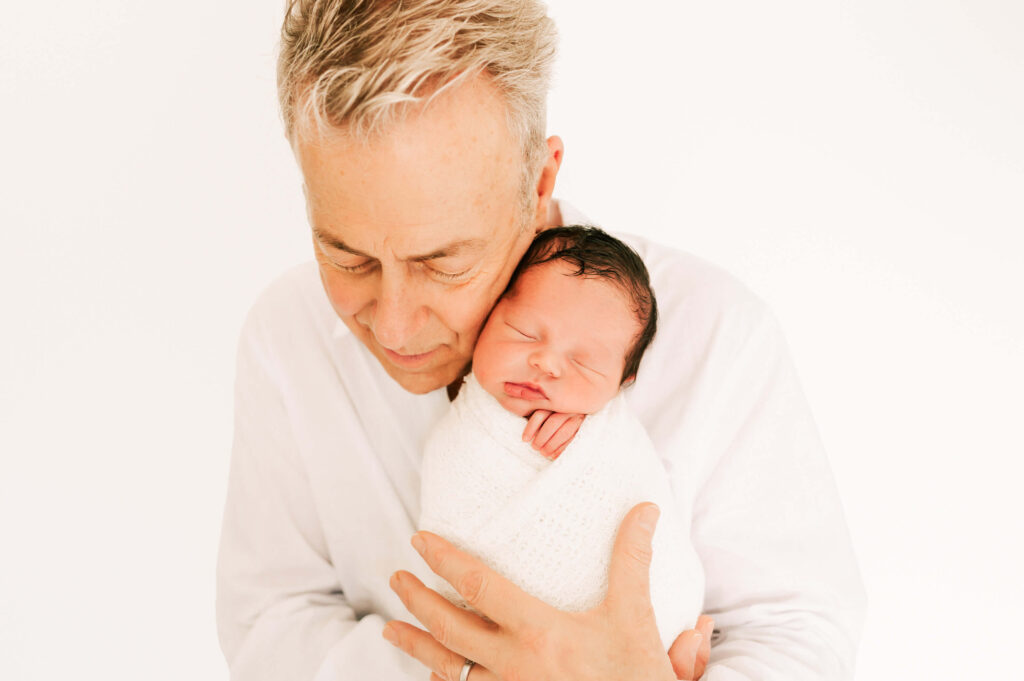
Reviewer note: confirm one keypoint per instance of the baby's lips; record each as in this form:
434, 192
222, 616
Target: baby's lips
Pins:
524, 391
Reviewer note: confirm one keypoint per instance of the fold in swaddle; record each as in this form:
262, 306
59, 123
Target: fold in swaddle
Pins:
549, 526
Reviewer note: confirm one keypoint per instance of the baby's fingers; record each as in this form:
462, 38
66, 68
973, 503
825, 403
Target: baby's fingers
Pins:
550, 426
558, 452
561, 438
533, 424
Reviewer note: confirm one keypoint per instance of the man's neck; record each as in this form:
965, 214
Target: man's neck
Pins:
454, 386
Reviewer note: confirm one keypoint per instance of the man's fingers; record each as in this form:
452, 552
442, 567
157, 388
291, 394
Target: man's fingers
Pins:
488, 592
452, 627
443, 663
534, 423
683, 655
706, 626
476, 673
629, 585
424, 648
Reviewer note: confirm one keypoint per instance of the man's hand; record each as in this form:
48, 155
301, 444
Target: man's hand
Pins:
691, 649
550, 432
526, 638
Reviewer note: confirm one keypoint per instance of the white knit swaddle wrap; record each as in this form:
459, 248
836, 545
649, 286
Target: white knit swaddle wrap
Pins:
549, 526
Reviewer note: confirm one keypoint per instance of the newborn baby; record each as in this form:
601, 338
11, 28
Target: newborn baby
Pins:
566, 335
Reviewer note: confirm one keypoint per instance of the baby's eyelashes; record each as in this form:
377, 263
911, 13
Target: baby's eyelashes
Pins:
524, 335
584, 366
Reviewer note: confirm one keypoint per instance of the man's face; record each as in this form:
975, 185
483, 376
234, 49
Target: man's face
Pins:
417, 232
556, 342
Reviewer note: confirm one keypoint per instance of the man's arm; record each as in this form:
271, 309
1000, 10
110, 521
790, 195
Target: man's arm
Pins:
281, 614
782, 580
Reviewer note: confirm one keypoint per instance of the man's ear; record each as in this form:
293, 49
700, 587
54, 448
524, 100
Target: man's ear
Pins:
546, 181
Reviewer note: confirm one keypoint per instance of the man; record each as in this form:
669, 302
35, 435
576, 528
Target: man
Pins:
419, 129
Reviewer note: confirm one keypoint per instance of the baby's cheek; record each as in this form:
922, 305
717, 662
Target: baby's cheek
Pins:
590, 398
487, 365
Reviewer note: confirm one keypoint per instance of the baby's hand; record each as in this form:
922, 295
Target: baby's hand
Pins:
550, 432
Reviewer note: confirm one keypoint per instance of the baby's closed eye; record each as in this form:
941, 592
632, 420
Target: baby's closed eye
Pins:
521, 333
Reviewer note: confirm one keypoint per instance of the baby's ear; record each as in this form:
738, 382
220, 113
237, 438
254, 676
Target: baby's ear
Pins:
628, 382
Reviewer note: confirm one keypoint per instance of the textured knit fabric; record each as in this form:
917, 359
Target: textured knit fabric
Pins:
547, 525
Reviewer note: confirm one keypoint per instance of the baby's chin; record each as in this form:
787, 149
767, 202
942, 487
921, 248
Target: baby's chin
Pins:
524, 408
520, 407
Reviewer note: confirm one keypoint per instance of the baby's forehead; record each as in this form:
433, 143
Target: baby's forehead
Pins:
546, 274
539, 280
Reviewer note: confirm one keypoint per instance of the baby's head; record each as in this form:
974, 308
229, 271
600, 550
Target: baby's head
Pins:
570, 328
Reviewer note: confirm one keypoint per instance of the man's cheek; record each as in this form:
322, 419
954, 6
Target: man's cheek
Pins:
346, 299
466, 321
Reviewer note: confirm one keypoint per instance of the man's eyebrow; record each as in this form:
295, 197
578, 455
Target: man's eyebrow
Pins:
448, 250
338, 244
452, 249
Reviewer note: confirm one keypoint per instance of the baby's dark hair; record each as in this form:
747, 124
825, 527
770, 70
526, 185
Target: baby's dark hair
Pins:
595, 253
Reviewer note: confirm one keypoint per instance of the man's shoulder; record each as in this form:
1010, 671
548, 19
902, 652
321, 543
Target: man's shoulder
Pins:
293, 303
684, 282
706, 316
681, 280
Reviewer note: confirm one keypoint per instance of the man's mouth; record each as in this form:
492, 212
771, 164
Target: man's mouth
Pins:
525, 391
409, 361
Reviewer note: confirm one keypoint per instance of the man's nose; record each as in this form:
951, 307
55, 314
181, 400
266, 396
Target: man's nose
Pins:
546, 361
399, 313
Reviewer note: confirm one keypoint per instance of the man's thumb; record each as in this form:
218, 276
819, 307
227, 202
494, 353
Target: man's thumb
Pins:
629, 585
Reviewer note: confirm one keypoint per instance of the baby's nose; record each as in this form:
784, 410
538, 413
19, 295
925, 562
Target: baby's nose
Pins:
546, 362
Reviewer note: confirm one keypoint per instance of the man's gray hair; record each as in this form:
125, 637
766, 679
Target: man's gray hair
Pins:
355, 65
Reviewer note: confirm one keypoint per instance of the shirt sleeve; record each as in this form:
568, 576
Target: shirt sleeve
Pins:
281, 612
781, 578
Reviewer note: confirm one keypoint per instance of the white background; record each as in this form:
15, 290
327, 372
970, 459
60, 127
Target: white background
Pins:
860, 165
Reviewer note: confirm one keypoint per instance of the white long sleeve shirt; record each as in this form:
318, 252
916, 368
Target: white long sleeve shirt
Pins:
323, 493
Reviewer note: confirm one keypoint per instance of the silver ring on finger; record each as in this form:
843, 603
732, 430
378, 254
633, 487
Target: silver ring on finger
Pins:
465, 669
